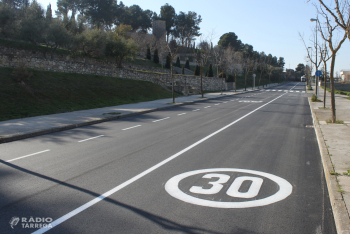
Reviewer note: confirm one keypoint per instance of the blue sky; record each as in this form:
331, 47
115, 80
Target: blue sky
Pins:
271, 26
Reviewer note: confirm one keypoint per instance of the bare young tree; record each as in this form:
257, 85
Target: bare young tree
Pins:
202, 55
248, 65
262, 67
325, 57
172, 53
328, 35
314, 60
340, 14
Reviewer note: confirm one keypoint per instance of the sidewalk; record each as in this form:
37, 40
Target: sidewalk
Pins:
16, 129
334, 143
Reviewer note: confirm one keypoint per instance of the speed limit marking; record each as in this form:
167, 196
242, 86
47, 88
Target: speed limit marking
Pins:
285, 188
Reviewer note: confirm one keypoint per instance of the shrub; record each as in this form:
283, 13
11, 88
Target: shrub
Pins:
197, 71
178, 62
210, 72
187, 65
155, 56
148, 54
314, 98
167, 61
21, 74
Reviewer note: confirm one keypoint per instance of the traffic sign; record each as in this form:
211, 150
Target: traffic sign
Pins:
318, 73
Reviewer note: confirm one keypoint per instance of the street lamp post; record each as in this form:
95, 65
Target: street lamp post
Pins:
316, 77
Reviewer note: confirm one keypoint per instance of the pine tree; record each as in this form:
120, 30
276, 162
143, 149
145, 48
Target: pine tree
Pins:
167, 61
178, 62
148, 55
210, 72
187, 65
197, 71
155, 56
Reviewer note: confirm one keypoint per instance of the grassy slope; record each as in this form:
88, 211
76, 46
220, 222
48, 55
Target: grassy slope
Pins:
55, 92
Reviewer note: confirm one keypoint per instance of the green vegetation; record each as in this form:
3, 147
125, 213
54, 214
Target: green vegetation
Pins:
334, 173
309, 88
314, 98
336, 122
347, 173
338, 91
55, 92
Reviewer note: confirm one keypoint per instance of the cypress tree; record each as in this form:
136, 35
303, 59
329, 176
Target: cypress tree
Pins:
155, 56
187, 65
178, 62
148, 55
167, 61
210, 72
197, 71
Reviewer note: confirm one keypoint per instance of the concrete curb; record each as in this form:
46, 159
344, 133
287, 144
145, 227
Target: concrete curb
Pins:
340, 213
4, 139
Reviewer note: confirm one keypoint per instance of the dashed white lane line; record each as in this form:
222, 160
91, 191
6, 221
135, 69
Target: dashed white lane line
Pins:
217, 104
160, 119
182, 114
297, 91
279, 90
91, 138
196, 110
142, 174
303, 91
291, 91
224, 102
131, 127
207, 107
28, 155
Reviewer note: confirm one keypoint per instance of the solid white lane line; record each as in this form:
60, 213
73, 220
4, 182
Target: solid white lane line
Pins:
131, 127
142, 174
160, 119
91, 138
28, 155
196, 110
294, 87
182, 114
207, 106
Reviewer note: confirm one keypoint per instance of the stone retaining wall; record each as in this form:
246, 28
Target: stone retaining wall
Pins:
11, 57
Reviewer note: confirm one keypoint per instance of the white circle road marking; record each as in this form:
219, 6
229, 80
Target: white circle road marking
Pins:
172, 187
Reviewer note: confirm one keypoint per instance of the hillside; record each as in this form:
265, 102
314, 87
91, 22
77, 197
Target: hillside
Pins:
54, 92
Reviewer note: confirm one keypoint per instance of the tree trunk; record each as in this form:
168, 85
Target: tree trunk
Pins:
172, 80
325, 84
202, 82
245, 82
235, 82
332, 89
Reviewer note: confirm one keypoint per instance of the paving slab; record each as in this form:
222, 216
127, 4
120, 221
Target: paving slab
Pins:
336, 139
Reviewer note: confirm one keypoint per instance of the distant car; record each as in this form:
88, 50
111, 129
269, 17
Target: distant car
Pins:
303, 79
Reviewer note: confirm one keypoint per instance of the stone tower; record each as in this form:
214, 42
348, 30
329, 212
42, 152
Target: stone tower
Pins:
159, 29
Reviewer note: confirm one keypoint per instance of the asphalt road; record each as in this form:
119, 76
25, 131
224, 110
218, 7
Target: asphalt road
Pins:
246, 163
